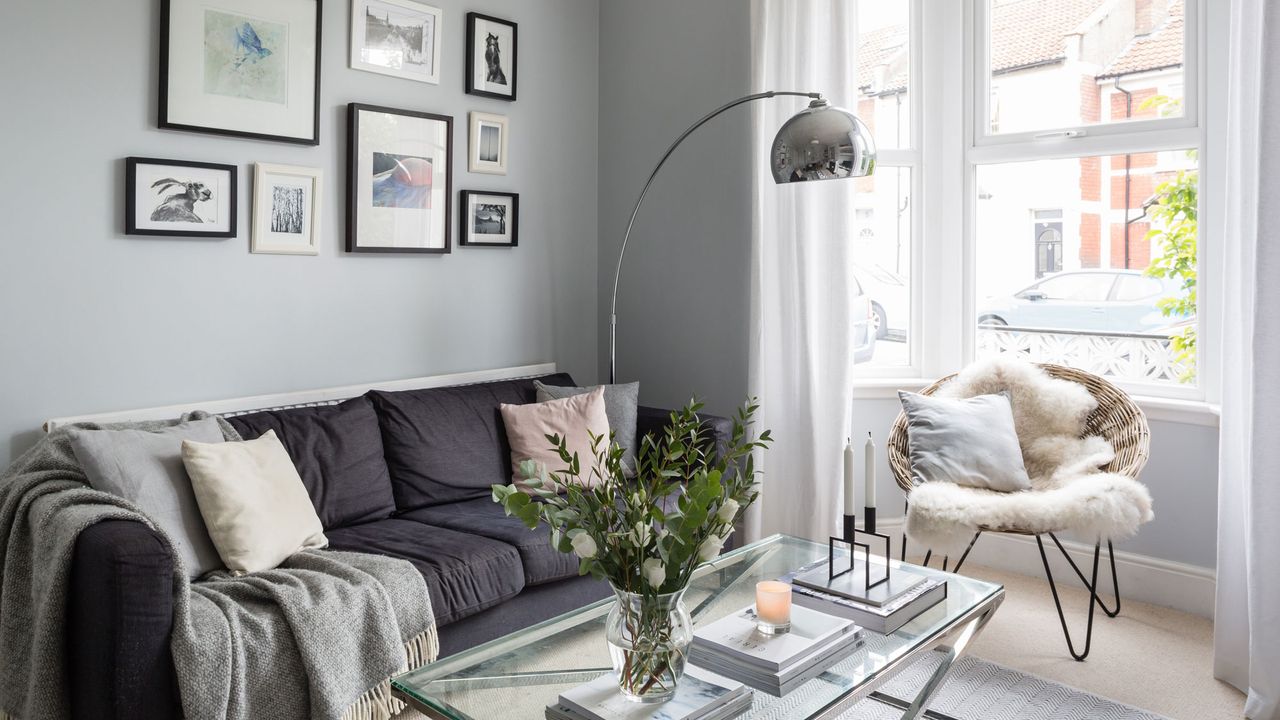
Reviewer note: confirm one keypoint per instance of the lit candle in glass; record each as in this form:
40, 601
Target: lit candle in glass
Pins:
773, 607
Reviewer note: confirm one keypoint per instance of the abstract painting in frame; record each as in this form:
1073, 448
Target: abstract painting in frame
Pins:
286, 210
244, 68
179, 198
489, 219
491, 57
400, 38
399, 180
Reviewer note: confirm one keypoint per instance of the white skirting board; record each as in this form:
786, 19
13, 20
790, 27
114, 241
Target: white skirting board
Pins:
1189, 588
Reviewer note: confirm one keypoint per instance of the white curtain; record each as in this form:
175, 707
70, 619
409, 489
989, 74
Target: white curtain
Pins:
801, 351
1247, 618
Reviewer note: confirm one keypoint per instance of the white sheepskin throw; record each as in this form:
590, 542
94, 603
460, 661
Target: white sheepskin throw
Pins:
1069, 491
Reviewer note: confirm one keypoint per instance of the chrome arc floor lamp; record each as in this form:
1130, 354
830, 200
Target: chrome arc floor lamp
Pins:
820, 142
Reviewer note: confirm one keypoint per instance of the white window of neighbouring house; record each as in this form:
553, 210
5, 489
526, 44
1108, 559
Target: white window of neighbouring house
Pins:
1083, 203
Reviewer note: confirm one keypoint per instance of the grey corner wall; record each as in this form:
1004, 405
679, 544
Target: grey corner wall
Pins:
92, 320
683, 304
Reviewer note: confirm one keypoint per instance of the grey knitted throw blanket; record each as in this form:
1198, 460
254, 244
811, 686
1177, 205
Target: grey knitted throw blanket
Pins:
318, 637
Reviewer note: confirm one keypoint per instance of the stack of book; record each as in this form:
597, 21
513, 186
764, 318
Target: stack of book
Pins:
775, 664
700, 695
883, 609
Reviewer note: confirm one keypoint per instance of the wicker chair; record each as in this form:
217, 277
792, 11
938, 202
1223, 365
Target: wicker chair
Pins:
1118, 420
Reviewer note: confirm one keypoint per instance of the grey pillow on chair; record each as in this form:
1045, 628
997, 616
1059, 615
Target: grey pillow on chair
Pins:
969, 441
146, 469
621, 405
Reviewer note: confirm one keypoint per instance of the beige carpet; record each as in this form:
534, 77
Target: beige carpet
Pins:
1149, 657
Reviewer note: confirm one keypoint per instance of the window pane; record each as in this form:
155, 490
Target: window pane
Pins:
884, 71
882, 252
1059, 63
1091, 262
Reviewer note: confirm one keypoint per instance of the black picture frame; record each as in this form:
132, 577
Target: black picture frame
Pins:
464, 219
165, 123
470, 44
353, 199
131, 226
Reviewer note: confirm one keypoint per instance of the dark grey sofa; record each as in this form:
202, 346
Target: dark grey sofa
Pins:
405, 474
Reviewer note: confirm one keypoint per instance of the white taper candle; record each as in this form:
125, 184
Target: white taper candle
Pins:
870, 458
850, 504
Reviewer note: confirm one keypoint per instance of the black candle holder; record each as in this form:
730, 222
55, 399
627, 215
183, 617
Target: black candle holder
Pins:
851, 535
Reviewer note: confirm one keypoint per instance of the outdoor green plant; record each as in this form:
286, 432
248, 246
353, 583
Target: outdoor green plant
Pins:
646, 534
1175, 225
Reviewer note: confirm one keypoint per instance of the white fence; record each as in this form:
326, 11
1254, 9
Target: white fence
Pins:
1125, 356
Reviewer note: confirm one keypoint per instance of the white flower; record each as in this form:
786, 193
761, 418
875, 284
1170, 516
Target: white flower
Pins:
710, 548
728, 510
640, 536
655, 572
584, 545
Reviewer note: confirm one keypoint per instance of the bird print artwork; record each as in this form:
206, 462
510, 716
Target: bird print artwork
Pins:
248, 45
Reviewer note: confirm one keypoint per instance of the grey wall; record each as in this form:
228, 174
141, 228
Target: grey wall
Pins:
683, 305
92, 320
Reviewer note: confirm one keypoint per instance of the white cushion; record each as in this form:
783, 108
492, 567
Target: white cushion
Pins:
253, 502
966, 441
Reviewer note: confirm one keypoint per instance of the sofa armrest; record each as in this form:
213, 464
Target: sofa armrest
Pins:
654, 421
119, 621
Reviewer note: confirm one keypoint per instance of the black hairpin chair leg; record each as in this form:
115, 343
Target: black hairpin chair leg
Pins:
1093, 599
1115, 581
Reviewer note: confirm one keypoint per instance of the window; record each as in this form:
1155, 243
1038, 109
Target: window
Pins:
1085, 124
884, 208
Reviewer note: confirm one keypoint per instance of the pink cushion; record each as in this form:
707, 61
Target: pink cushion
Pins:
571, 418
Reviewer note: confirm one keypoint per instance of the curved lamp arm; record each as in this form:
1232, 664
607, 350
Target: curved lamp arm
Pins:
617, 273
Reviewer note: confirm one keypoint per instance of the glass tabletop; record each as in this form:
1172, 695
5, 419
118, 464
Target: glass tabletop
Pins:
518, 675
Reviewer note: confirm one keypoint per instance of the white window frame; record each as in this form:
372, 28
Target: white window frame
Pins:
947, 80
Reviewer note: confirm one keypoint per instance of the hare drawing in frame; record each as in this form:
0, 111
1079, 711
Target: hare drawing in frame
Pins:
491, 57
179, 198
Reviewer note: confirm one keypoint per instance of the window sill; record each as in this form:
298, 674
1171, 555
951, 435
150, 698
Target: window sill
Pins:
1186, 412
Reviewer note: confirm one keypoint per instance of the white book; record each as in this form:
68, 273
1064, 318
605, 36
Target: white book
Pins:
736, 636
699, 693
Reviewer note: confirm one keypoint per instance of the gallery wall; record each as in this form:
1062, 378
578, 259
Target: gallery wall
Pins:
93, 320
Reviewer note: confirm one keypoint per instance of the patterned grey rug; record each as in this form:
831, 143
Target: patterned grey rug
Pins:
980, 690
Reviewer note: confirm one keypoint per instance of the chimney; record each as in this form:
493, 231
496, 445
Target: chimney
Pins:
1149, 15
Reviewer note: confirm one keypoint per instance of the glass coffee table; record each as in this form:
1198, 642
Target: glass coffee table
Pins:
518, 675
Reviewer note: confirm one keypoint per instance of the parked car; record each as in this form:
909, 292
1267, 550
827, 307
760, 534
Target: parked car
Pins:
1121, 301
890, 300
864, 332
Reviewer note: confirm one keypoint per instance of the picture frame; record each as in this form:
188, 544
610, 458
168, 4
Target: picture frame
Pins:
400, 38
287, 201
487, 146
180, 198
491, 57
489, 219
241, 68
399, 180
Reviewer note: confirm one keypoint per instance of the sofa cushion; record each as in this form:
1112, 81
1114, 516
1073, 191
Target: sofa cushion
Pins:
465, 573
338, 452
444, 445
482, 516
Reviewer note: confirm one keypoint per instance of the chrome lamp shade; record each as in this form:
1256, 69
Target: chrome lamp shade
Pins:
822, 142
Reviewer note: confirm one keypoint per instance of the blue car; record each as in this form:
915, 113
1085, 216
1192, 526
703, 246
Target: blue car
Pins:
1120, 301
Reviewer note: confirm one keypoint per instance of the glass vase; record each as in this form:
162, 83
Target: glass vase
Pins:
649, 636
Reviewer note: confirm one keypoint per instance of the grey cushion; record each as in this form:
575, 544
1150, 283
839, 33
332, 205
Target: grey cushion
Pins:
620, 405
970, 441
482, 516
146, 469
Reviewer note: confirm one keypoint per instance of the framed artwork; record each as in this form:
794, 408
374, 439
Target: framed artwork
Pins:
286, 210
490, 219
396, 37
178, 198
245, 68
399, 185
487, 150
491, 57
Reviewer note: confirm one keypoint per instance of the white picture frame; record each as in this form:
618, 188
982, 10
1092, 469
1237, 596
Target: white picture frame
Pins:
487, 146
400, 38
286, 209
